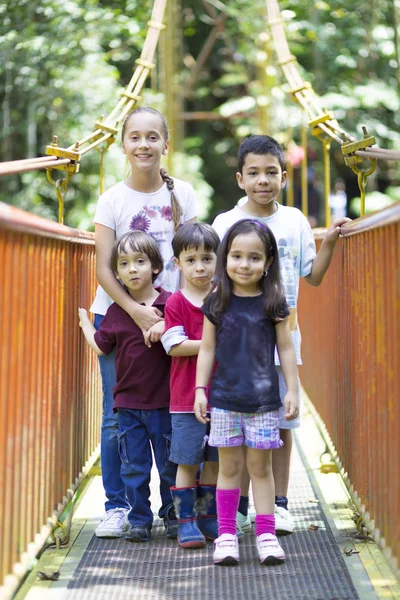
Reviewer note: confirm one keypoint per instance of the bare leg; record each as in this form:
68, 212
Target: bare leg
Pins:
281, 463
209, 474
245, 481
186, 476
259, 466
231, 461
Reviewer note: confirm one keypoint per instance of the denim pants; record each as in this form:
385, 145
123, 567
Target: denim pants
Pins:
140, 431
109, 456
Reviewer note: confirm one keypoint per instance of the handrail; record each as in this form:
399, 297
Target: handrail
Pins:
379, 218
50, 391
350, 351
16, 219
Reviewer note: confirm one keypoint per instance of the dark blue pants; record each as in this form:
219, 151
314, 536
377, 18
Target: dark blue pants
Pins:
140, 431
109, 456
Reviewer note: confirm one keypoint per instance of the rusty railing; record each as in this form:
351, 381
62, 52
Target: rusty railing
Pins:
49, 383
351, 372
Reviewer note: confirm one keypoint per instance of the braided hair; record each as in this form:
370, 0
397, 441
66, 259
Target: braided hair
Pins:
176, 208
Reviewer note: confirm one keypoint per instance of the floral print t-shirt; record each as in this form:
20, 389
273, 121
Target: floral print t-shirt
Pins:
123, 209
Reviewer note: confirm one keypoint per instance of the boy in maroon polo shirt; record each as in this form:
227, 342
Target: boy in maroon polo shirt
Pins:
195, 246
141, 394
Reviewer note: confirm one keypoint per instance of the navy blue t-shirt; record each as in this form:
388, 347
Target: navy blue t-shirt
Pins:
245, 379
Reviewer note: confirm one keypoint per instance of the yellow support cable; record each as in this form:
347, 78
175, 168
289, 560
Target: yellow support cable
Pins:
106, 130
326, 144
322, 123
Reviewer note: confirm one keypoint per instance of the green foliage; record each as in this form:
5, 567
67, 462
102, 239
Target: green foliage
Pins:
63, 64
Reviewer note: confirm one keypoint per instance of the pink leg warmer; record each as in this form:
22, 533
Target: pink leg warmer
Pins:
227, 505
265, 524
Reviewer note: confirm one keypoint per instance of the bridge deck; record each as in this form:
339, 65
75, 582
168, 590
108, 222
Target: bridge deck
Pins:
316, 567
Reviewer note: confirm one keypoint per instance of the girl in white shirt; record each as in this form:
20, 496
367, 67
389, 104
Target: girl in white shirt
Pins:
152, 201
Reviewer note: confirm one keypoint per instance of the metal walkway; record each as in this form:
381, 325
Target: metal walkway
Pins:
316, 566
159, 570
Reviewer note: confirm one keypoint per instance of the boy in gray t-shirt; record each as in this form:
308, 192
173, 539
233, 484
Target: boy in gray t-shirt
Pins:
262, 176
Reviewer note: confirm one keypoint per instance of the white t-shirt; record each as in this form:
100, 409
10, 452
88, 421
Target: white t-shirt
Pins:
123, 209
296, 247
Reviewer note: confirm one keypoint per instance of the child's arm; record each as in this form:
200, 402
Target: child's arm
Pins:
175, 340
88, 330
287, 357
155, 333
187, 348
205, 365
323, 259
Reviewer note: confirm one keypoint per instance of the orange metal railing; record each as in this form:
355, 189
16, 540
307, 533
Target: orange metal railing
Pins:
49, 383
351, 371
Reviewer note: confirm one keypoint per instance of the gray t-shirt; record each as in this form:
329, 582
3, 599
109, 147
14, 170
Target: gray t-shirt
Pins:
245, 379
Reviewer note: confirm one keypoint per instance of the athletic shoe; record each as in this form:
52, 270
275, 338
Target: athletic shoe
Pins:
243, 522
139, 533
269, 550
283, 521
114, 524
226, 550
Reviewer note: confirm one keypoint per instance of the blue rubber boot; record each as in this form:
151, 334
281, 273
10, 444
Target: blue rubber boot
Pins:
206, 508
189, 534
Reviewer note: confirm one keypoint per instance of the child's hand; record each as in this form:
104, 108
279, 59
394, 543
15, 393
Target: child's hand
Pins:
83, 317
200, 406
155, 333
291, 405
334, 230
146, 316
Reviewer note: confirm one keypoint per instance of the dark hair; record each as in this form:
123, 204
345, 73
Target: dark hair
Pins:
270, 284
175, 206
260, 144
138, 241
194, 235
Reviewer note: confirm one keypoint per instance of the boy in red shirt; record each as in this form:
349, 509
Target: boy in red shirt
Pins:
195, 246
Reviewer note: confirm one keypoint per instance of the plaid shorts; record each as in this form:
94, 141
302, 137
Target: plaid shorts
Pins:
255, 430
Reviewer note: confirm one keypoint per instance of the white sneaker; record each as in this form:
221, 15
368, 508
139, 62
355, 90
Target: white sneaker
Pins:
226, 550
283, 521
243, 523
114, 524
269, 550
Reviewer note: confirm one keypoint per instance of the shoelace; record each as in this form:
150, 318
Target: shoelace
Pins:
114, 516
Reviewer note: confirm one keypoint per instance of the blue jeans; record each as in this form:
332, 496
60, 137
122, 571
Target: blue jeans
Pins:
109, 456
139, 431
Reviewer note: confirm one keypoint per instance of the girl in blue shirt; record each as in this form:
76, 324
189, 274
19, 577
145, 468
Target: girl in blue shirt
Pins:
246, 315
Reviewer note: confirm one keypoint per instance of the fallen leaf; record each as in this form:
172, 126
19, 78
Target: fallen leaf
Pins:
350, 552
48, 576
313, 527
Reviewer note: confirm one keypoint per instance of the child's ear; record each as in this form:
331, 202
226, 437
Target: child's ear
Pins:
177, 263
239, 179
166, 147
268, 263
156, 271
283, 180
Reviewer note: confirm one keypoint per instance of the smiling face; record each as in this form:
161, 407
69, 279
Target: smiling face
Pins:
262, 179
135, 271
144, 141
246, 263
197, 266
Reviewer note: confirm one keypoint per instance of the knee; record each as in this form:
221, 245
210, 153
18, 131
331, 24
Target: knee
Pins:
230, 469
259, 469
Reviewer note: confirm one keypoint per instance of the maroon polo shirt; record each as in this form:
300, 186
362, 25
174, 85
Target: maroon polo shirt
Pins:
142, 372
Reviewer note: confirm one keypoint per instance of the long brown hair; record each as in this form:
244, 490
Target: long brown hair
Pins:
175, 205
270, 284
